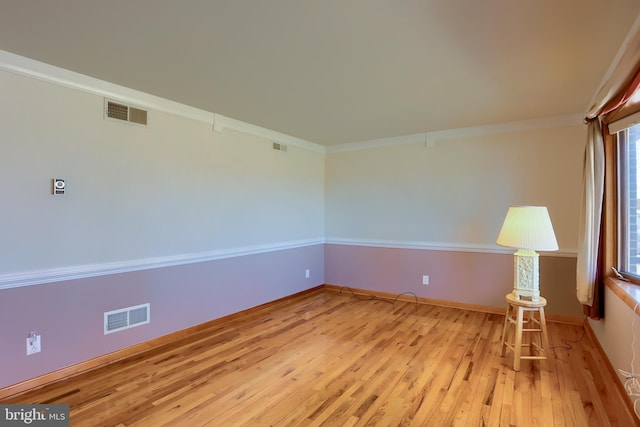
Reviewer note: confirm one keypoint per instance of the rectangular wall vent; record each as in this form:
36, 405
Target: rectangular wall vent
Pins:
126, 113
126, 318
279, 147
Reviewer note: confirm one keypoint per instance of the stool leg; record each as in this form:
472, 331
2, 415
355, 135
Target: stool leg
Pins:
504, 330
530, 324
545, 338
517, 346
526, 321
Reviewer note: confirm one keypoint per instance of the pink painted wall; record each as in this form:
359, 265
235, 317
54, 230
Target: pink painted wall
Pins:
69, 315
465, 277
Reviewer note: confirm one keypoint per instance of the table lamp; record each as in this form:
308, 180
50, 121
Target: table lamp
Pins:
527, 228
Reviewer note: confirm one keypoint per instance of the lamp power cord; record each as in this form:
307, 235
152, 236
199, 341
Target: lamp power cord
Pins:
368, 297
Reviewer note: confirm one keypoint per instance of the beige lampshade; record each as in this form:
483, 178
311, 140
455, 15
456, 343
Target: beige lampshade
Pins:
528, 227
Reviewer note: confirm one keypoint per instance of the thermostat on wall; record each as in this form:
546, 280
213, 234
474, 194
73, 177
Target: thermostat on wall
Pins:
58, 186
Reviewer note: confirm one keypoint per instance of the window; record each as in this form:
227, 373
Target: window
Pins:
628, 203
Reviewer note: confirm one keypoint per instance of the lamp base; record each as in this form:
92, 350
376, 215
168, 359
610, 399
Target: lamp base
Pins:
526, 281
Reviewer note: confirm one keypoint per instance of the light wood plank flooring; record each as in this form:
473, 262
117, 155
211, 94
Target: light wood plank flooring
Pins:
332, 359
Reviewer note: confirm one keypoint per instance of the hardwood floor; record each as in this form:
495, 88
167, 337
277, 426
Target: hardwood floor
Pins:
328, 359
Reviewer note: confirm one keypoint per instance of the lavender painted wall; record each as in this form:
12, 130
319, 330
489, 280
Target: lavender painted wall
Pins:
465, 277
69, 315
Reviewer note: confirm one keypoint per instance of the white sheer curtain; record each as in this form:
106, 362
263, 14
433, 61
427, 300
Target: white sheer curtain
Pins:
591, 213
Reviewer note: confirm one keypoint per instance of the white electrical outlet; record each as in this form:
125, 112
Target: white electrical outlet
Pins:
425, 279
33, 344
307, 273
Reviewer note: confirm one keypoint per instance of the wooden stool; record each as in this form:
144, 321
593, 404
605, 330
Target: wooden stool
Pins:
516, 316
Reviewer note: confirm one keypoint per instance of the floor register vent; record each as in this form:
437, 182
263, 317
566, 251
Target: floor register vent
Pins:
125, 318
126, 113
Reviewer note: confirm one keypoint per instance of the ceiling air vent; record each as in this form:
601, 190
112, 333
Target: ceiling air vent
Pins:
126, 318
126, 113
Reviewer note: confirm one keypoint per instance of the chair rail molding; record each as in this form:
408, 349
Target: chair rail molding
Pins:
38, 277
439, 246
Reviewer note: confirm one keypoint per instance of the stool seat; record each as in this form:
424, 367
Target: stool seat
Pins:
521, 313
512, 299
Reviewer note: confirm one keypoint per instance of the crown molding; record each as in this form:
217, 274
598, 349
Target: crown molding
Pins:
39, 70
430, 138
38, 277
17, 64
377, 143
439, 246
221, 123
623, 63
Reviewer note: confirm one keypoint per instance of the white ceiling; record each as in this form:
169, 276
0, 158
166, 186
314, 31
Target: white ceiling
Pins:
336, 71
